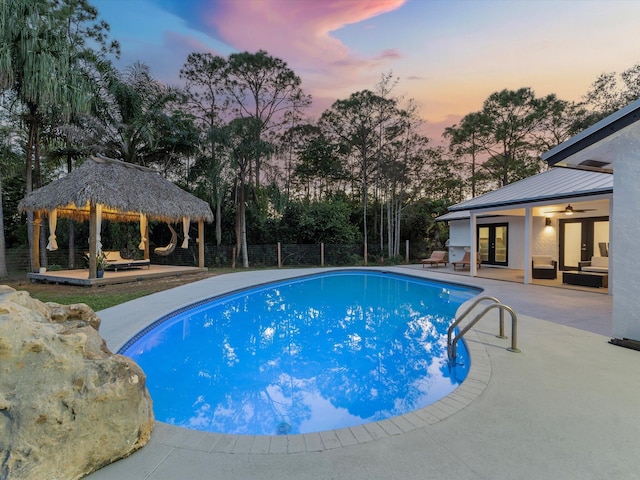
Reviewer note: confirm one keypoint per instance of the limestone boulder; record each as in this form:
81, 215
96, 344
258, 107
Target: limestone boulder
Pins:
68, 406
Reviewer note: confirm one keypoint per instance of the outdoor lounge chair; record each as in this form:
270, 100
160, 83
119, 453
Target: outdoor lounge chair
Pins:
466, 260
437, 257
544, 267
116, 262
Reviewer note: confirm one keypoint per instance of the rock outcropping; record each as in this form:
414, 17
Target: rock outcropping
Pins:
68, 406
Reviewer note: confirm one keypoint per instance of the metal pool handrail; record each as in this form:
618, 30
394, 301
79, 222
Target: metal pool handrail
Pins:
451, 344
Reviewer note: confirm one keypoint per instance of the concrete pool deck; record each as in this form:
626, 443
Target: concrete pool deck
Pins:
567, 407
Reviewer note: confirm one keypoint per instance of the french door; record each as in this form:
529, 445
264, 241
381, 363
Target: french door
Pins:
581, 239
493, 243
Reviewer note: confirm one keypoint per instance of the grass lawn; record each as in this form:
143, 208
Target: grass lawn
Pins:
99, 298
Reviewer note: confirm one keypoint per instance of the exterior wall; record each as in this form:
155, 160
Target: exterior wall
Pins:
544, 239
458, 239
625, 232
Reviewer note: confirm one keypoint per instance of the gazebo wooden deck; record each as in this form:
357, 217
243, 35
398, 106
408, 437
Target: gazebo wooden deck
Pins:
80, 276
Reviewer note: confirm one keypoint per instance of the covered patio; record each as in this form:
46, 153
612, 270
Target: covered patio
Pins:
514, 275
104, 188
561, 213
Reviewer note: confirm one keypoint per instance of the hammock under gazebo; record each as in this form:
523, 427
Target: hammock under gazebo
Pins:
168, 250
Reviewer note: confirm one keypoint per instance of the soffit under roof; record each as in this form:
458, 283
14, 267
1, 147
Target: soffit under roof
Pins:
597, 146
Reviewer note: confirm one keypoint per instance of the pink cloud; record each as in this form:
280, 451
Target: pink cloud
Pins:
300, 32
389, 54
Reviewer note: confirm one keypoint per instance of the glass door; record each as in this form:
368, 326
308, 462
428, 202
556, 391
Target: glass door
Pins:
573, 246
493, 243
581, 239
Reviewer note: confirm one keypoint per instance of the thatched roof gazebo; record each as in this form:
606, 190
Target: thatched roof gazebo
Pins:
104, 188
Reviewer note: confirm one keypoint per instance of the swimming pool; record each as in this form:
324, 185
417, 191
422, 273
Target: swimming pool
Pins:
307, 354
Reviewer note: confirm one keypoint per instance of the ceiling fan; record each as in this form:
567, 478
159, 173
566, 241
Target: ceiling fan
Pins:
569, 210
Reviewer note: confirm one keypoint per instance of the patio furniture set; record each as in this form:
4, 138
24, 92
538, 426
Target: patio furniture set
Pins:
593, 273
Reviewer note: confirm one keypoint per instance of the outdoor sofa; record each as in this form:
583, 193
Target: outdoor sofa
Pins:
596, 265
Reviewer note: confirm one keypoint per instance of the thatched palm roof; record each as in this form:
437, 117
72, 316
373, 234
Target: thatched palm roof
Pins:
125, 190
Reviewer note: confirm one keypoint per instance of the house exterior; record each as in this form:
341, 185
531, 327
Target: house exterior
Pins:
530, 217
613, 144
601, 182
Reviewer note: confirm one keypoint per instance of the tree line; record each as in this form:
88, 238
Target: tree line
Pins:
238, 134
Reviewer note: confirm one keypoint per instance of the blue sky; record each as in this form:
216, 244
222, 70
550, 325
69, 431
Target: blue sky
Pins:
448, 55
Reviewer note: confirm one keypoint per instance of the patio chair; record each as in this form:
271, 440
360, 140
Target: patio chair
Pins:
466, 260
543, 267
604, 249
437, 257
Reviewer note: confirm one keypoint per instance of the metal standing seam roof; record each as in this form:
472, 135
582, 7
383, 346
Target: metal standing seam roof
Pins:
457, 215
557, 183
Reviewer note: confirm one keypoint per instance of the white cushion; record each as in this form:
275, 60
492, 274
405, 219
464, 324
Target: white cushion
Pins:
598, 265
542, 261
595, 269
602, 262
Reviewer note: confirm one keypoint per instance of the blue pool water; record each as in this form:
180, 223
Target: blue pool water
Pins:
304, 355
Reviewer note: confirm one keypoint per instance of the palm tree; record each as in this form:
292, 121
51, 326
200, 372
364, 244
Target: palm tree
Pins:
138, 121
9, 164
42, 60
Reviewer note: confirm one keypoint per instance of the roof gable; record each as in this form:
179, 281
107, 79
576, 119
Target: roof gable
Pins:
592, 148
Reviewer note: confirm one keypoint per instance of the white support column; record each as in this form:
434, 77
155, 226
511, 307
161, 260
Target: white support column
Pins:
528, 232
473, 245
612, 246
624, 261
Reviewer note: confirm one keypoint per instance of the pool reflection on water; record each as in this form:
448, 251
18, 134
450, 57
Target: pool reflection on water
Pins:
309, 354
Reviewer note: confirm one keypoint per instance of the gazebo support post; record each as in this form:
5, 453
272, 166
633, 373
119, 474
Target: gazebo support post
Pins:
146, 244
201, 243
93, 247
35, 242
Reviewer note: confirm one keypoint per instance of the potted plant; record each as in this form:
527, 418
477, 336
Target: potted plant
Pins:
101, 263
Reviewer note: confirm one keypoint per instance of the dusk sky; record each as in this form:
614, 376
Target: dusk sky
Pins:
448, 55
